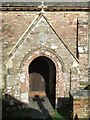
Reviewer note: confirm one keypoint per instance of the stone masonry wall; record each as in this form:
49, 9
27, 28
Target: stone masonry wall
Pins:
64, 23
34, 43
54, 33
81, 104
83, 49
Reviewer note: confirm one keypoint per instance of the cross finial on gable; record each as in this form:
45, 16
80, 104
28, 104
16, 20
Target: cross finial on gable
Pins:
42, 7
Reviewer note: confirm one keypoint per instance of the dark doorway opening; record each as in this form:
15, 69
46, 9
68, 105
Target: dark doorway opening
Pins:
42, 73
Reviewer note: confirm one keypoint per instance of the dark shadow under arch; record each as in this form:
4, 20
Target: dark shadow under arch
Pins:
45, 67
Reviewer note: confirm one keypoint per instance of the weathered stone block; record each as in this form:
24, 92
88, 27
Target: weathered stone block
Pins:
24, 97
81, 50
16, 89
10, 80
23, 88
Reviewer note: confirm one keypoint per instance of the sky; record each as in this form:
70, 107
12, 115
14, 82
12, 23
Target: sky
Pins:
44, 0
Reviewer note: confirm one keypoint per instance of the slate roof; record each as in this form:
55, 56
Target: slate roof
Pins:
56, 4
45, 0
51, 5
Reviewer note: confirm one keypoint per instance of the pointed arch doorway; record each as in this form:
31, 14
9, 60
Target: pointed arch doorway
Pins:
42, 78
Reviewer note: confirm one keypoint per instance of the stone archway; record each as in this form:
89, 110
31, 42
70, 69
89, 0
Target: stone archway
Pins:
42, 76
59, 87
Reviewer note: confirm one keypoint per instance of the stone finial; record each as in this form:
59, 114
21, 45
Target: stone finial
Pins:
42, 7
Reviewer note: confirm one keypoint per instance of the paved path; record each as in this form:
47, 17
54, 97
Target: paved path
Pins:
41, 107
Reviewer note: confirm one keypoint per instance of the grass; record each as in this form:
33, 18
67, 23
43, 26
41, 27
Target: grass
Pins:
58, 116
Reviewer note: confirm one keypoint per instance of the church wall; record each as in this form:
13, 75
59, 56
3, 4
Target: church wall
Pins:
65, 25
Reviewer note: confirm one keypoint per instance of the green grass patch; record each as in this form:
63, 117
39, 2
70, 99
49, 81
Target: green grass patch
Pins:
58, 116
